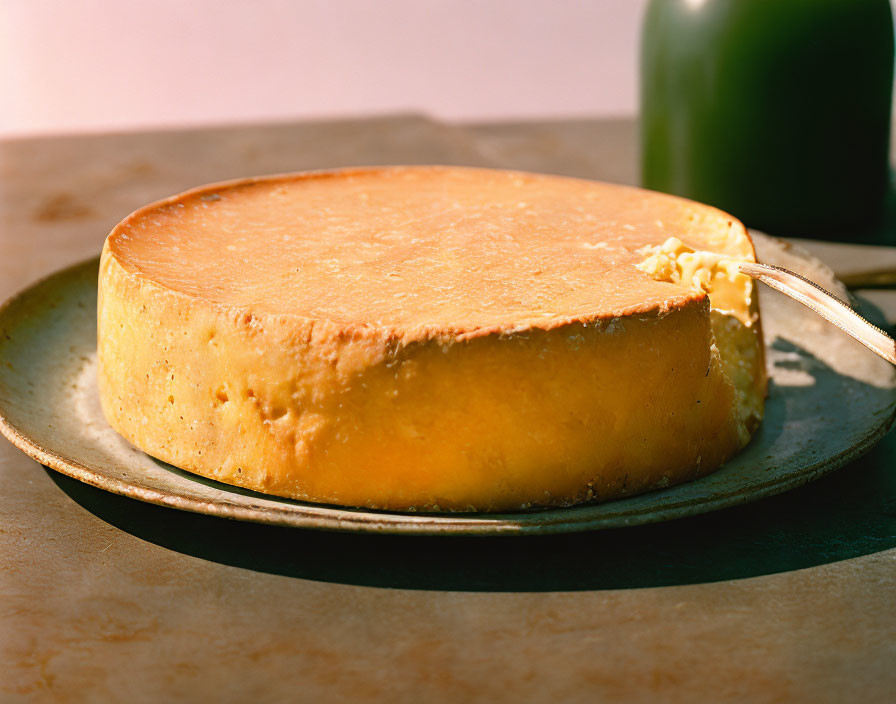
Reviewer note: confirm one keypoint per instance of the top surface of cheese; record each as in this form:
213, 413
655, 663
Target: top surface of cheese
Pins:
422, 250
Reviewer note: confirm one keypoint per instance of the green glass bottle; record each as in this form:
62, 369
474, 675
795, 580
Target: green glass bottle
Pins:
777, 111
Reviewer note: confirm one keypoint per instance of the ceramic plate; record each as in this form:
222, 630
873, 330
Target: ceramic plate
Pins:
829, 401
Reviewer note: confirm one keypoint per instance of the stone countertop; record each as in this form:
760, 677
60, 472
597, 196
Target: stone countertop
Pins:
103, 598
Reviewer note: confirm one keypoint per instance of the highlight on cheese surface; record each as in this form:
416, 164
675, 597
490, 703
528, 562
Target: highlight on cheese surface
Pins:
431, 338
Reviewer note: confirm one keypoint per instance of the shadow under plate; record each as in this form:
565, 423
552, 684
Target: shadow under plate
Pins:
847, 514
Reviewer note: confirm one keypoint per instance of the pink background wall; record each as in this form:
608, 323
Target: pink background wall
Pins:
74, 65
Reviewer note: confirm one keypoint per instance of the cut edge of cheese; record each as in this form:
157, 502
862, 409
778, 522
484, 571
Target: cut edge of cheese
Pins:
734, 312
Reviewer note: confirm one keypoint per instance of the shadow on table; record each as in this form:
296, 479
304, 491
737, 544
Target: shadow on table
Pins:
844, 515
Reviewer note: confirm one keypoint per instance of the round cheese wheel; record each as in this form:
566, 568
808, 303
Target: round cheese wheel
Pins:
427, 338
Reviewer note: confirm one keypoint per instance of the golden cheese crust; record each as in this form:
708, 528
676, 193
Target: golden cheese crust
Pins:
423, 338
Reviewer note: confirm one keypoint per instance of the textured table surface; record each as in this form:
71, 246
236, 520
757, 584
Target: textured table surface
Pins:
102, 598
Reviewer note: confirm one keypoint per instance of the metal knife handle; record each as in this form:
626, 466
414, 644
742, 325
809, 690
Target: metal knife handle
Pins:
825, 304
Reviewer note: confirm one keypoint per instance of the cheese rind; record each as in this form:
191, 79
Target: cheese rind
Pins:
481, 355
